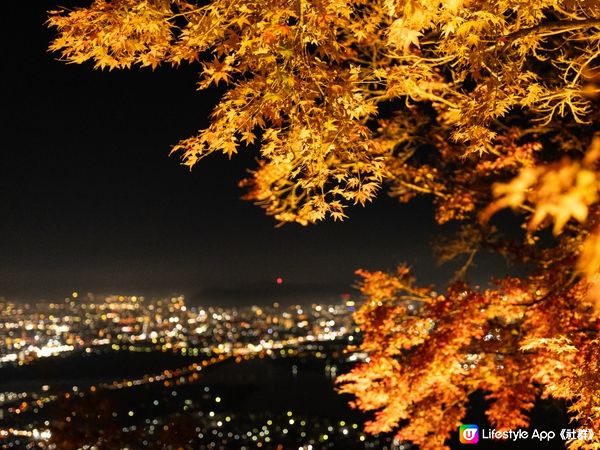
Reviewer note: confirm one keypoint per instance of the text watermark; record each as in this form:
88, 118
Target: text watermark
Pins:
471, 434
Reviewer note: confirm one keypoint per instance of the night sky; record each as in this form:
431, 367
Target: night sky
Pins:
92, 201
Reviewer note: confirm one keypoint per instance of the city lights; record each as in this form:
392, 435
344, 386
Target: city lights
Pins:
208, 337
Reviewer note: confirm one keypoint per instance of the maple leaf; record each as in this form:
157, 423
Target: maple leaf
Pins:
248, 137
229, 148
403, 36
217, 71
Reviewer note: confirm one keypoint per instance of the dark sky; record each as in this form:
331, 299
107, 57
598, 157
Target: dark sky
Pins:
91, 200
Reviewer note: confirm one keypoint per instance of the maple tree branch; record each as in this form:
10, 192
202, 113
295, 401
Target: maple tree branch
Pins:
414, 187
415, 294
417, 298
560, 26
462, 272
545, 29
555, 290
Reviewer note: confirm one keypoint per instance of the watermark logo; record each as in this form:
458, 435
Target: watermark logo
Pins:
469, 434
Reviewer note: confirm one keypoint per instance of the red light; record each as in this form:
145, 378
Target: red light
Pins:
279, 280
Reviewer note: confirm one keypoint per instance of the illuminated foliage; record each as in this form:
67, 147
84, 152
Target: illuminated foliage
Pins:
481, 105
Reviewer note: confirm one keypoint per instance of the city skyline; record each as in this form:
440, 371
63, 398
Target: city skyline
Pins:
188, 365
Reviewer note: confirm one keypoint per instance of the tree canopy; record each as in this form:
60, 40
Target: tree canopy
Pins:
481, 105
